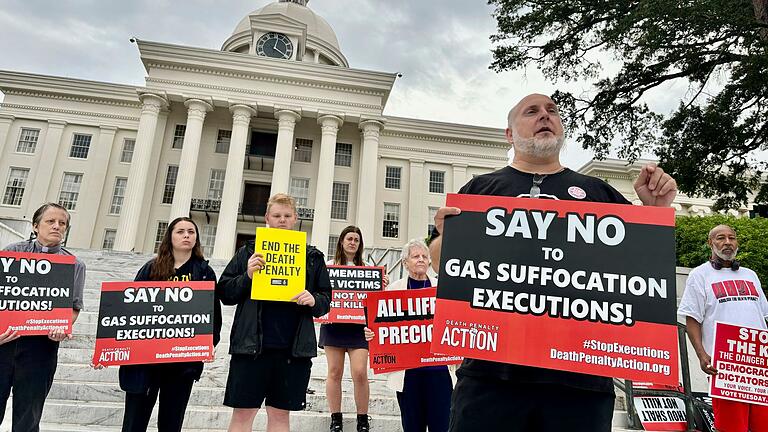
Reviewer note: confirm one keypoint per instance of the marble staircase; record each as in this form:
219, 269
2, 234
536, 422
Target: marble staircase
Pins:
83, 399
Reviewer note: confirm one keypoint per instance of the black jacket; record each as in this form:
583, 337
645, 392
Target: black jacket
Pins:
234, 288
139, 378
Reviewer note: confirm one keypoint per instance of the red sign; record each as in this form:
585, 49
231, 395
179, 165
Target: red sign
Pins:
740, 357
402, 325
154, 322
578, 286
350, 287
36, 292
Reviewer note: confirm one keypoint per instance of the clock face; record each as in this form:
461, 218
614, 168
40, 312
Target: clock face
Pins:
275, 45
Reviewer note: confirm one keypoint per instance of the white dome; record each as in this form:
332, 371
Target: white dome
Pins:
317, 27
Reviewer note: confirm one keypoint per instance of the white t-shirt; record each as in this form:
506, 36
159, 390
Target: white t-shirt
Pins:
733, 297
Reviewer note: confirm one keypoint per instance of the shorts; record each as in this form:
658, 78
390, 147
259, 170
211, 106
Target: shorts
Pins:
491, 404
273, 376
732, 416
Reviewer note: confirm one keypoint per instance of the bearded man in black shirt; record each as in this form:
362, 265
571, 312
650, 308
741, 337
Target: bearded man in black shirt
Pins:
492, 396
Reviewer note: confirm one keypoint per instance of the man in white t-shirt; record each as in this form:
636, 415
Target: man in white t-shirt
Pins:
721, 290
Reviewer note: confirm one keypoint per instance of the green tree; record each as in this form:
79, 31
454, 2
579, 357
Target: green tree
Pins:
720, 47
691, 239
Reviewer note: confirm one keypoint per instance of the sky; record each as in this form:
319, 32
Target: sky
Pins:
441, 47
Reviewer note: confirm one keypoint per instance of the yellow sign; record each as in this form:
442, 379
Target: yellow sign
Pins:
284, 274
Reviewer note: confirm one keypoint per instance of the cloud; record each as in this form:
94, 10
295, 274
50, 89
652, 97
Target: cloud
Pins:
441, 47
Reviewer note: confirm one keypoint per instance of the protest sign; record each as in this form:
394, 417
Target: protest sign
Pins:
578, 286
402, 325
154, 322
660, 413
740, 355
284, 272
36, 292
350, 287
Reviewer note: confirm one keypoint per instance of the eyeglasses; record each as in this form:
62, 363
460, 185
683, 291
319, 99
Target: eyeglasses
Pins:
535, 188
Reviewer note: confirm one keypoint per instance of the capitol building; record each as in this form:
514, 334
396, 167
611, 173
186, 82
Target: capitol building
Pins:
214, 133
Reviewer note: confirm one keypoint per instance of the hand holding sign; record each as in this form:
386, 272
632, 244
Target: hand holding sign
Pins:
442, 212
705, 361
255, 263
8, 336
304, 298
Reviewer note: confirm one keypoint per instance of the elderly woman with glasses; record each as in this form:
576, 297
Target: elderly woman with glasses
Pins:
424, 394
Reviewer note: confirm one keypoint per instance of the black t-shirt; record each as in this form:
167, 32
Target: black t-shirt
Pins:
565, 185
279, 322
183, 273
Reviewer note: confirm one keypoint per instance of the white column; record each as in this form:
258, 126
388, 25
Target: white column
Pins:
417, 226
366, 179
46, 155
5, 126
281, 172
185, 181
459, 177
125, 239
321, 224
226, 229
95, 181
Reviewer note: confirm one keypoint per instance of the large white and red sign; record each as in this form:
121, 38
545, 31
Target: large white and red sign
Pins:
154, 322
740, 355
36, 292
350, 286
578, 286
402, 325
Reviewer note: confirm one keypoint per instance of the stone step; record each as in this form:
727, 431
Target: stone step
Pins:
382, 402
110, 414
214, 375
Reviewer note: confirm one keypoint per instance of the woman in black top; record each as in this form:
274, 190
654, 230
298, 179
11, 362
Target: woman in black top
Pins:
338, 339
179, 258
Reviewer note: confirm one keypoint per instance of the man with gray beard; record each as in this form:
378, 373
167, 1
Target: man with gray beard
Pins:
722, 290
492, 396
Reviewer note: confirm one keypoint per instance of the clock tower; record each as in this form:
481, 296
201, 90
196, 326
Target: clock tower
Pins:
287, 30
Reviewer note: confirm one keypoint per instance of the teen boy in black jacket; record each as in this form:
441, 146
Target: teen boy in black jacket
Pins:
271, 343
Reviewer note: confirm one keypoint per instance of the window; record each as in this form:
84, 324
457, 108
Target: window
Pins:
392, 177
80, 146
70, 190
437, 181
109, 239
207, 239
28, 140
118, 194
162, 227
302, 151
128, 145
332, 241
222, 141
178, 136
343, 154
14, 189
391, 220
170, 184
300, 191
431, 212
339, 200
216, 184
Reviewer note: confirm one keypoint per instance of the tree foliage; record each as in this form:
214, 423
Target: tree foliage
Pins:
720, 47
691, 239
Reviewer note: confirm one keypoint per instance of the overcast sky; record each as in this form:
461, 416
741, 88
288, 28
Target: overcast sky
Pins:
441, 47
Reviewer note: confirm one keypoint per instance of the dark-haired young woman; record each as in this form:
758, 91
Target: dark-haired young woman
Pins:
179, 258
340, 339
28, 363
